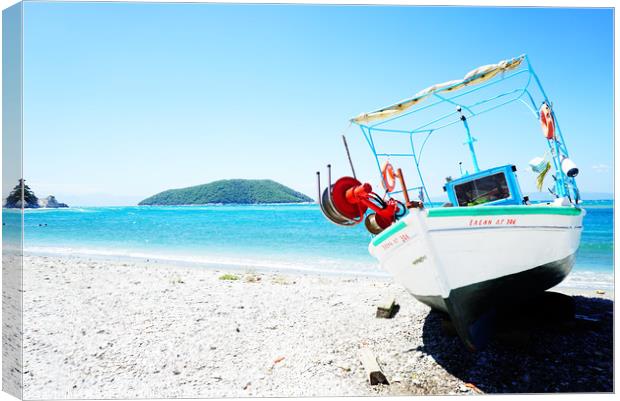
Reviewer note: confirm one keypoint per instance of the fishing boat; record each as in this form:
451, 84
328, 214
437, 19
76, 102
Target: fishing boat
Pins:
488, 245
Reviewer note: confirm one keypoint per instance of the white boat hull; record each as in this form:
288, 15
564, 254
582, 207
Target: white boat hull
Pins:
465, 261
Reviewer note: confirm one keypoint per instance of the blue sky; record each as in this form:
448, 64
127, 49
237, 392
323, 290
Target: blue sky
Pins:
125, 100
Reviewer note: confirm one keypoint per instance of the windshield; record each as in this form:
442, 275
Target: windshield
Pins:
486, 189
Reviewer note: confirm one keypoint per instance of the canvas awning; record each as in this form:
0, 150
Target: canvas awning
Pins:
474, 77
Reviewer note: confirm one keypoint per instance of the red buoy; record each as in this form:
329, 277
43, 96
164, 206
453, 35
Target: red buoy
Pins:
546, 121
389, 177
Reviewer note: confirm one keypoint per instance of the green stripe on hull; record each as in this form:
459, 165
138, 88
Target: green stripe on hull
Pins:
504, 210
389, 232
482, 211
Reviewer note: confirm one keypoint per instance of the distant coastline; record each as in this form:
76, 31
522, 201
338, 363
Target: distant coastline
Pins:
584, 202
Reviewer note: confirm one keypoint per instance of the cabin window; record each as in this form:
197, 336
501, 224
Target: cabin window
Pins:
486, 189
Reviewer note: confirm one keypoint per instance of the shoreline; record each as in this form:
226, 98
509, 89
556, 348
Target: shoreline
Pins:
163, 330
286, 267
201, 262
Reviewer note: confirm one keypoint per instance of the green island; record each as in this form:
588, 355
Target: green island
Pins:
235, 191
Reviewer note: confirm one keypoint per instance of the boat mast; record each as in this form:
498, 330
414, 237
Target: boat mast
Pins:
470, 140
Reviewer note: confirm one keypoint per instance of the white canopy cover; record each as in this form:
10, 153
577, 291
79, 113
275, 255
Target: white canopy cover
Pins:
474, 77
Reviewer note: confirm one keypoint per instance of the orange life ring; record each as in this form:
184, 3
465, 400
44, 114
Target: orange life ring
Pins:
389, 177
546, 121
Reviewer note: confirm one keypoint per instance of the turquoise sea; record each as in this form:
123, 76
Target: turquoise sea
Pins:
274, 237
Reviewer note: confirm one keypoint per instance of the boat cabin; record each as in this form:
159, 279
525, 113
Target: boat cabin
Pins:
495, 186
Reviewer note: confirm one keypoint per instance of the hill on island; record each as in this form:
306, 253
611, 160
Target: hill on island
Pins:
23, 196
229, 191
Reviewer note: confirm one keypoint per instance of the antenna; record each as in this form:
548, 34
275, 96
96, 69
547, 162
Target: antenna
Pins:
318, 184
329, 176
344, 139
470, 140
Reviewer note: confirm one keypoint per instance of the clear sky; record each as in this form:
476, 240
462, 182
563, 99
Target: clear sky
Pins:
125, 100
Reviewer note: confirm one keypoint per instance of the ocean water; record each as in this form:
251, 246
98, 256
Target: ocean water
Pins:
271, 237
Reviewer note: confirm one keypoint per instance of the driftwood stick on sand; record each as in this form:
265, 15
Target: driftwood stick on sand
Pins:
373, 370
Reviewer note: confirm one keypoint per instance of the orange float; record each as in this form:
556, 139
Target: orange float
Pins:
546, 121
389, 177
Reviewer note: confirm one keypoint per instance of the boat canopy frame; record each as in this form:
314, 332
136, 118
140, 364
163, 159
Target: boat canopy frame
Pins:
377, 122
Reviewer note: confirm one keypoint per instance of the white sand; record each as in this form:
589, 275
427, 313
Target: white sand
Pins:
113, 329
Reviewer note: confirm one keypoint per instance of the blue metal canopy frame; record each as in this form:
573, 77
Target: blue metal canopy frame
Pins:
565, 186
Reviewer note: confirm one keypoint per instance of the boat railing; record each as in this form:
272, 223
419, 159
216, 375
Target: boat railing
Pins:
525, 93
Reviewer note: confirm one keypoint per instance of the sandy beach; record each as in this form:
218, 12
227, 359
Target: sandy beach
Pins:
98, 328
